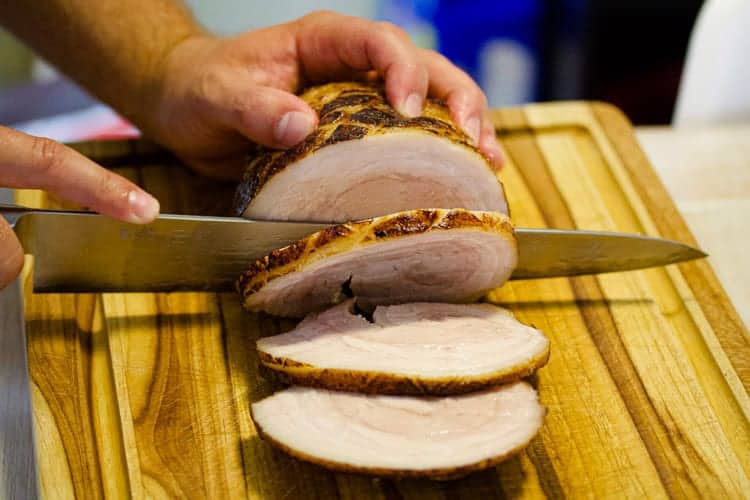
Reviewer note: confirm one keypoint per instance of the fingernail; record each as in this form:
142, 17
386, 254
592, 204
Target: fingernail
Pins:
472, 129
294, 127
412, 106
143, 207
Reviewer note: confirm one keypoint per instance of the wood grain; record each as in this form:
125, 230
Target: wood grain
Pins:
147, 395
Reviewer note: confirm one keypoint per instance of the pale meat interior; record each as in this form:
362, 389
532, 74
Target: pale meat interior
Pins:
438, 266
401, 432
377, 175
425, 340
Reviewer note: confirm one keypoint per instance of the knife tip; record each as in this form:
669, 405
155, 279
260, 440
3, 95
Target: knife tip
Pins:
693, 253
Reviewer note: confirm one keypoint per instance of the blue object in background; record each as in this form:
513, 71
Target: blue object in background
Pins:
498, 42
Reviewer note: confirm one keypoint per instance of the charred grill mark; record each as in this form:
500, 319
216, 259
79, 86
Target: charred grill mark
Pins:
330, 117
330, 234
375, 116
404, 224
284, 256
345, 133
347, 101
461, 218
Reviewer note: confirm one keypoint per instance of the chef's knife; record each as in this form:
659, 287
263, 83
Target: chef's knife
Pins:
86, 252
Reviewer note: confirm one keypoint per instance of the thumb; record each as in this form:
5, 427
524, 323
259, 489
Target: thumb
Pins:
269, 116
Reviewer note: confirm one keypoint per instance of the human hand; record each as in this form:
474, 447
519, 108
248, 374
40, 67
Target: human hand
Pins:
218, 93
38, 163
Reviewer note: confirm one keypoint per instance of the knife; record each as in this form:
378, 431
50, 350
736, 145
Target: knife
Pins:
86, 252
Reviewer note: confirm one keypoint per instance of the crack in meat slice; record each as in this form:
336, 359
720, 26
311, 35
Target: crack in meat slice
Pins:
413, 436
416, 256
366, 160
416, 348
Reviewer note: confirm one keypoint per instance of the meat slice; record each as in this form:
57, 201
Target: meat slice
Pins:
417, 348
441, 438
366, 160
416, 256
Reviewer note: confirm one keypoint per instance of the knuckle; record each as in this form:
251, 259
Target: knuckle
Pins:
47, 155
318, 15
480, 98
392, 29
113, 187
209, 85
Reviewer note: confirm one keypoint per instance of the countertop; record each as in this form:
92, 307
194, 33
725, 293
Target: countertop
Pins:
707, 173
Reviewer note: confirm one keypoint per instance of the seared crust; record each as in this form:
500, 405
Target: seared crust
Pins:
293, 372
347, 111
443, 474
343, 237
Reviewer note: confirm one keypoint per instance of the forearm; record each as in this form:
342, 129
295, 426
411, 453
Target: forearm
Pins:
116, 49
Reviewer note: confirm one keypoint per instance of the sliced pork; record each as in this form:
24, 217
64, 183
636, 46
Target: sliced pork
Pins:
416, 256
417, 348
401, 435
366, 160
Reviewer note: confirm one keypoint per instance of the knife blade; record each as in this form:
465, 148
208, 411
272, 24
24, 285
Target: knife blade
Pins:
85, 252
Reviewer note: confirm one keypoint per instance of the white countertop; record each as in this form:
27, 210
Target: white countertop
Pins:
707, 173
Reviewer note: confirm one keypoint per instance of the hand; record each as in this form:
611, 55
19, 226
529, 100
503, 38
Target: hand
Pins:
217, 93
37, 163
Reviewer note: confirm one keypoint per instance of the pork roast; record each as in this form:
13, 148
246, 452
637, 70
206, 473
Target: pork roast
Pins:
366, 160
416, 348
420, 255
441, 438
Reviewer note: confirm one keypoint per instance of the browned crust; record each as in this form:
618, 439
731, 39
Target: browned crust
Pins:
347, 111
289, 371
444, 474
342, 237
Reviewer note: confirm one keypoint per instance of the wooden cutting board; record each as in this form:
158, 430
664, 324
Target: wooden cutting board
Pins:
646, 387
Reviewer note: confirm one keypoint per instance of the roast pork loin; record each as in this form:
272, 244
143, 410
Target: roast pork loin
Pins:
366, 160
416, 348
413, 436
420, 255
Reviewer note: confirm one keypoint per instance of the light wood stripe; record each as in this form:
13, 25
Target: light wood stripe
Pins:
729, 329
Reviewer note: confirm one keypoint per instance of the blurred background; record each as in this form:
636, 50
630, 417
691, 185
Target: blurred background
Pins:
628, 52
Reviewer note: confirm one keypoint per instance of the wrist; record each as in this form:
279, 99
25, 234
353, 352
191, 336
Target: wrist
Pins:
170, 69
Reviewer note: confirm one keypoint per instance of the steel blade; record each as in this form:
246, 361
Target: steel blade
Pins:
84, 252
77, 252
545, 253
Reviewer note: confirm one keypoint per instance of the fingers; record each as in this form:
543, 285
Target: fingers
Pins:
489, 144
38, 163
465, 99
266, 115
11, 254
334, 47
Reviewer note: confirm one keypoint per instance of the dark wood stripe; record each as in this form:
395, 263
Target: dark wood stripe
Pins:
597, 316
718, 309
484, 485
389, 489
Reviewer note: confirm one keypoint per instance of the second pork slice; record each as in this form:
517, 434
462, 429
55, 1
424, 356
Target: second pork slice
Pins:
415, 256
